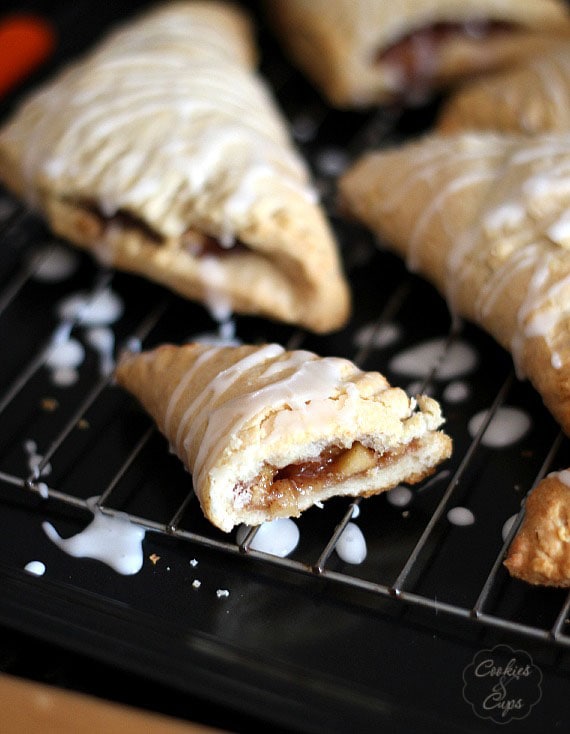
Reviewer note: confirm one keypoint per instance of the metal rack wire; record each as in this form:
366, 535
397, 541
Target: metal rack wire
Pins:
365, 131
401, 590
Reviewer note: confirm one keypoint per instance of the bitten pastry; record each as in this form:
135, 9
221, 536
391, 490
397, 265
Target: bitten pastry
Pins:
267, 433
163, 153
540, 552
532, 97
364, 52
485, 219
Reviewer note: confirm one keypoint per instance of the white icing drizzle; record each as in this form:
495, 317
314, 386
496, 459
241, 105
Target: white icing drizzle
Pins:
377, 336
102, 339
105, 307
214, 274
507, 216
35, 459
112, 539
508, 524
521, 225
218, 386
310, 379
436, 207
36, 568
63, 354
419, 360
461, 516
507, 426
456, 392
278, 537
213, 121
55, 263
351, 544
400, 496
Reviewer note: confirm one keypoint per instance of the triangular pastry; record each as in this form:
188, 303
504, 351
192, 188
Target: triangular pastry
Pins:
267, 433
364, 52
484, 218
540, 552
163, 153
532, 97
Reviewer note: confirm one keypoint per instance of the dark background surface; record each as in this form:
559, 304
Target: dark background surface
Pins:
287, 648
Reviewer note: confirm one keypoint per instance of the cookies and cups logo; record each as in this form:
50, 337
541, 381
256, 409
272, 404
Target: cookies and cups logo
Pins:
502, 684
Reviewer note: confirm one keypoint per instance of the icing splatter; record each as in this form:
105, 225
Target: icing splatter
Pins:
351, 545
55, 263
112, 539
36, 568
278, 537
419, 360
507, 426
461, 516
399, 496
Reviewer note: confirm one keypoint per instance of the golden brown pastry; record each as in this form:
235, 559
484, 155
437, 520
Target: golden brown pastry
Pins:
163, 153
540, 552
364, 52
485, 218
532, 97
267, 433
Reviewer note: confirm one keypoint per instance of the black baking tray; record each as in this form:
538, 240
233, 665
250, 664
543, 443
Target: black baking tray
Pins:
293, 646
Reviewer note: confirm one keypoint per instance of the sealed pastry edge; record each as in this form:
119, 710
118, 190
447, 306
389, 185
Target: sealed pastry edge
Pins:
335, 45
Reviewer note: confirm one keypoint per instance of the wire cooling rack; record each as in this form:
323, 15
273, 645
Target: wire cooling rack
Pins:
63, 444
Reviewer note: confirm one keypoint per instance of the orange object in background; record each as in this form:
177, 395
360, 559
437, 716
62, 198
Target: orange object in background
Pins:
26, 41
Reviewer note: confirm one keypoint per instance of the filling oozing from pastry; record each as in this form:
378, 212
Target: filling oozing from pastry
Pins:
280, 488
414, 57
195, 243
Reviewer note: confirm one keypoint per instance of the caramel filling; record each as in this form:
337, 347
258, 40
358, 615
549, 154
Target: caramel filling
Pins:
279, 489
414, 57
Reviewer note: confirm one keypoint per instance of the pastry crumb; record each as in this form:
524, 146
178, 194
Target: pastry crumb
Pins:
154, 558
49, 404
196, 584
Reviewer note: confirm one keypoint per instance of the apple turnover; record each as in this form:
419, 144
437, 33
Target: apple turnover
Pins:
540, 551
162, 151
485, 218
364, 52
532, 97
267, 433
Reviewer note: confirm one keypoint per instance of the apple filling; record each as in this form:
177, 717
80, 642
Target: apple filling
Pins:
414, 57
280, 488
